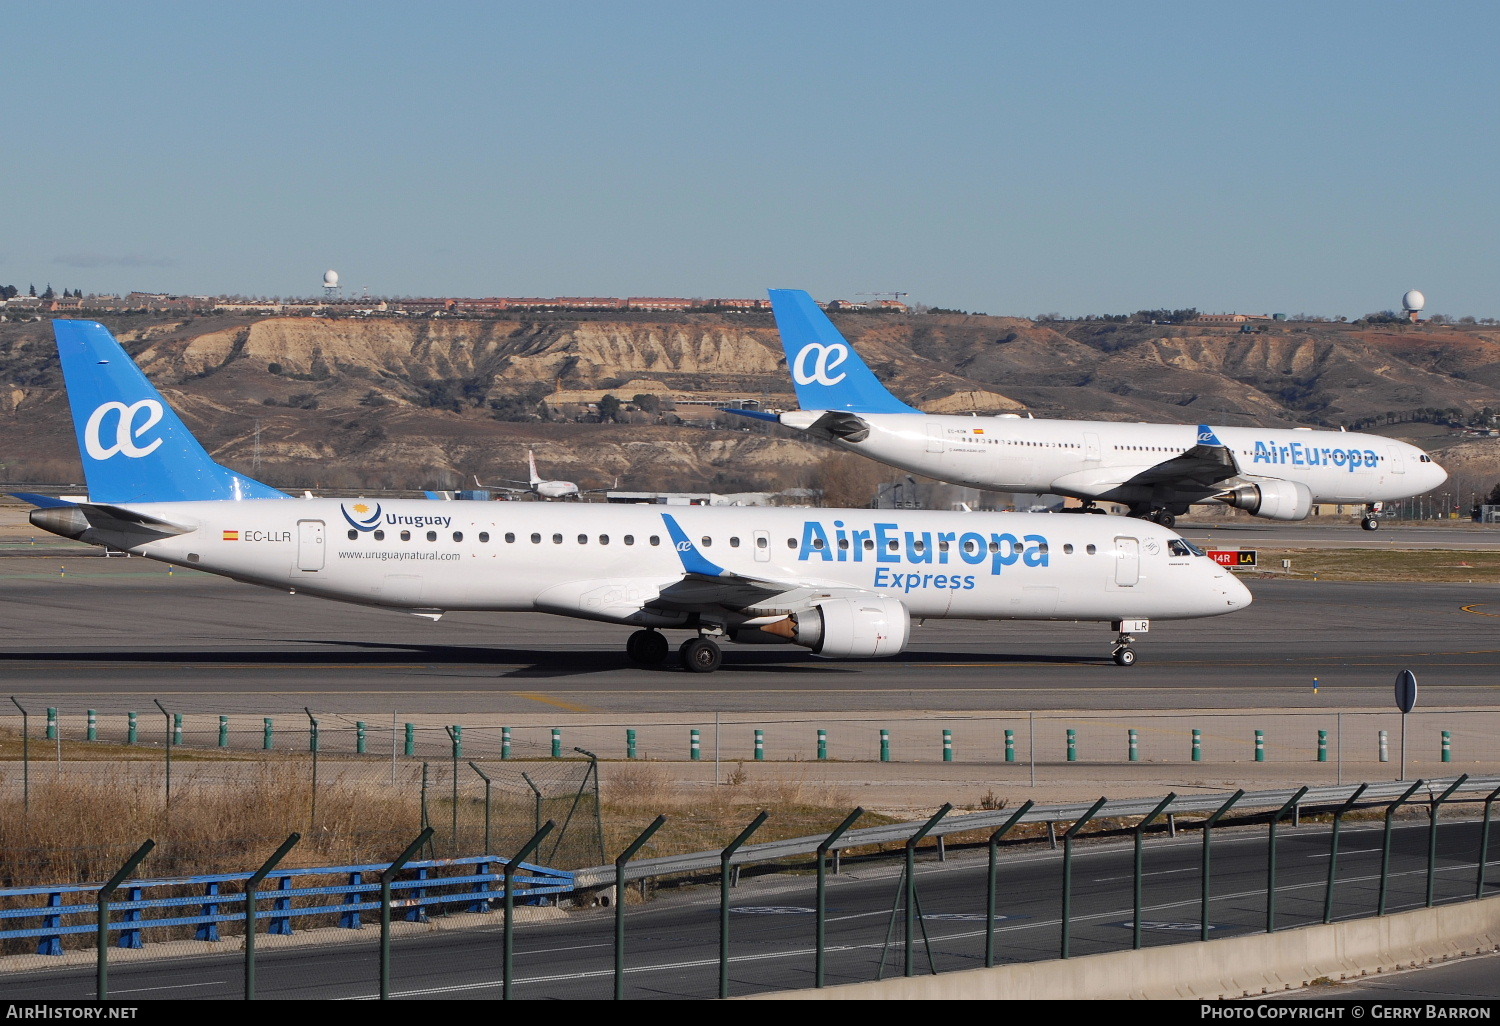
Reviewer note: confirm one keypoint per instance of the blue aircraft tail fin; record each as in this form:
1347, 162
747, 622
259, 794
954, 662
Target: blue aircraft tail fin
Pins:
133, 445
826, 371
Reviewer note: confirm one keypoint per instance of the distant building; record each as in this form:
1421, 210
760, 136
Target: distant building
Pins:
657, 303
1230, 318
740, 304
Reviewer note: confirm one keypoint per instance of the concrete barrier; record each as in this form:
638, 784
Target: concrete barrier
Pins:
1231, 967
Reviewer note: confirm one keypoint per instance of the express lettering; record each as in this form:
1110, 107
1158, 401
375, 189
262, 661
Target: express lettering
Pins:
884, 578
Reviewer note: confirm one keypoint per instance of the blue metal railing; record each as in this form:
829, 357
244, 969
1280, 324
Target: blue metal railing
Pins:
474, 883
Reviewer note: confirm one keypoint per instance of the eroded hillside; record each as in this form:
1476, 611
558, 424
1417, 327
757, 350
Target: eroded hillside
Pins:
437, 402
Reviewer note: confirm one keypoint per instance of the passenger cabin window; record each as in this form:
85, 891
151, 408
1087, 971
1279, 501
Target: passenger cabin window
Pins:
1068, 549
604, 539
380, 536
630, 539
432, 536
1091, 550
406, 536
707, 541
656, 539
583, 539
536, 539
458, 536
557, 539
734, 542
353, 534
761, 543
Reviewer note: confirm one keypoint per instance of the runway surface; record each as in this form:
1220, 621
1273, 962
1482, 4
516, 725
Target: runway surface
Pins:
111, 634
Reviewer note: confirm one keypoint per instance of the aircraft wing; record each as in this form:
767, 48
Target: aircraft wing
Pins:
705, 584
1200, 471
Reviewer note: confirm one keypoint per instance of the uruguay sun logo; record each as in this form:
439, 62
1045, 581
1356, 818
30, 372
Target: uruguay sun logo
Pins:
360, 516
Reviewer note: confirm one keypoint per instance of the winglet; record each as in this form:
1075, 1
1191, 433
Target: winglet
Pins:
133, 445
826, 371
693, 561
1206, 436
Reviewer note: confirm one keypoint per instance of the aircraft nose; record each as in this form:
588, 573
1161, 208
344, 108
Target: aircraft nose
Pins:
1236, 595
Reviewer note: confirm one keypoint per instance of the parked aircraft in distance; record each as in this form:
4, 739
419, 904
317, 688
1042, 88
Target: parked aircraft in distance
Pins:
541, 489
842, 583
1157, 470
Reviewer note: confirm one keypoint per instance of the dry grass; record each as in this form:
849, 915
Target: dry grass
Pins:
707, 817
1409, 565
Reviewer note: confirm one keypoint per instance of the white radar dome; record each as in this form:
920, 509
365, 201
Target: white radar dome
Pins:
1413, 300
332, 278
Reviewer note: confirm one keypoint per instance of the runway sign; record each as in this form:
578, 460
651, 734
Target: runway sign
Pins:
1232, 557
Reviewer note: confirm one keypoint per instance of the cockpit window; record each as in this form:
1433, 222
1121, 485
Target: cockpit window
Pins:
1183, 547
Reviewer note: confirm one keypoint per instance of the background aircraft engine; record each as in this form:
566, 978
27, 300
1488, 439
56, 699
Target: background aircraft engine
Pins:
854, 628
1271, 498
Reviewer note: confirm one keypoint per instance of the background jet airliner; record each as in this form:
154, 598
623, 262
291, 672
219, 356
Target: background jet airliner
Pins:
1157, 470
843, 583
541, 489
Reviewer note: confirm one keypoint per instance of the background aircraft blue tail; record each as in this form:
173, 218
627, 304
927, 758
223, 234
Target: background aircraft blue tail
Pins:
826, 371
133, 445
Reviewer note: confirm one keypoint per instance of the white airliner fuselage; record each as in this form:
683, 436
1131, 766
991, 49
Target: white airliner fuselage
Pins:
1096, 460
1157, 470
620, 564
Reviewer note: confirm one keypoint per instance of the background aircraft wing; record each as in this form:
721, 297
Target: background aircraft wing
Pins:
1202, 465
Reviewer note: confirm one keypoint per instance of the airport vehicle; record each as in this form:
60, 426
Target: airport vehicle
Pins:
1157, 470
842, 583
541, 489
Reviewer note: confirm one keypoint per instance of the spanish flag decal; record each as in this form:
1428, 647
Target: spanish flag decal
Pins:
231, 536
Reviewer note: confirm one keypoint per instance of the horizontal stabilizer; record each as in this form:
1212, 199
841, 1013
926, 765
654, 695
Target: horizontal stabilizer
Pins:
43, 501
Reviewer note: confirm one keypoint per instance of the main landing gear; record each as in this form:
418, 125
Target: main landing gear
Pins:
650, 648
1155, 516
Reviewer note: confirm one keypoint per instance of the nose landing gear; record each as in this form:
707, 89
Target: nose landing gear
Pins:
1126, 630
1371, 520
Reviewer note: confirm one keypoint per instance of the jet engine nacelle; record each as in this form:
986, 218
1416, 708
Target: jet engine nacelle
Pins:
854, 628
1270, 498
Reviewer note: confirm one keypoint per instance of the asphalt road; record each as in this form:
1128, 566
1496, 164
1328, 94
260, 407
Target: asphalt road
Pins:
672, 944
111, 634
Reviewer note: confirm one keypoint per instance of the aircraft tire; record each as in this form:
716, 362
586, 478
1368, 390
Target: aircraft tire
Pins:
1125, 657
1370, 524
700, 655
647, 646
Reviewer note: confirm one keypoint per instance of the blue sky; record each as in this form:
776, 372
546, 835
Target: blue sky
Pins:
1014, 158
